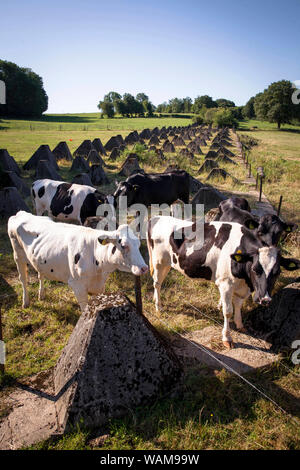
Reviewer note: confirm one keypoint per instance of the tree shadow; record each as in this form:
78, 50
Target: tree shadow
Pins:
66, 118
289, 129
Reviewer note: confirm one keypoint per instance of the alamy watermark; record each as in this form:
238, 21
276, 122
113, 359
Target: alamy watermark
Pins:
2, 92
188, 225
296, 355
296, 93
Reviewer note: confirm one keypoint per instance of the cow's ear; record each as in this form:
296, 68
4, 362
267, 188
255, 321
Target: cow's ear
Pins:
116, 183
291, 227
136, 187
105, 240
290, 264
251, 224
240, 257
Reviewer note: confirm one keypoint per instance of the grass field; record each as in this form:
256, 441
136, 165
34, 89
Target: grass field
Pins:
211, 409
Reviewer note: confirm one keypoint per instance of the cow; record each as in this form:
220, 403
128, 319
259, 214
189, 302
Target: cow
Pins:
67, 201
154, 188
79, 256
235, 201
268, 227
231, 256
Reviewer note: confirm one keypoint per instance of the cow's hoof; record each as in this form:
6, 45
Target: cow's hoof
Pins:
228, 344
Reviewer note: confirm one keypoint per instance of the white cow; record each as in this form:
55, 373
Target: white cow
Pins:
79, 256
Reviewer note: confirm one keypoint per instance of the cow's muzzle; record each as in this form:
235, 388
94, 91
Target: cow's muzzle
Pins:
138, 271
265, 301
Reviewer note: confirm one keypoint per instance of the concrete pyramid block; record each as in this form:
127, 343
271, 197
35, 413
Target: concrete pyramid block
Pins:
114, 360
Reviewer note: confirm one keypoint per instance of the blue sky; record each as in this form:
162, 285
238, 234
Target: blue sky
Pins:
84, 49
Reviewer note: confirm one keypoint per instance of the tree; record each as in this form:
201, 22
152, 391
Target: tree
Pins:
121, 107
25, 94
107, 108
248, 110
203, 100
142, 97
224, 117
223, 103
148, 108
176, 105
187, 104
112, 97
275, 103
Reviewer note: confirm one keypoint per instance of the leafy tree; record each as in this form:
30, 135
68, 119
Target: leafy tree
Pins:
275, 103
112, 97
142, 97
148, 107
107, 108
121, 107
224, 117
203, 100
176, 105
223, 103
248, 109
187, 104
25, 94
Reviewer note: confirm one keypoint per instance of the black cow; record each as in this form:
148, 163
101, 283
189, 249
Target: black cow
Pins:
154, 188
268, 227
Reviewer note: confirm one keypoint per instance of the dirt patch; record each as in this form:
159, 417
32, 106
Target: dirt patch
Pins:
204, 345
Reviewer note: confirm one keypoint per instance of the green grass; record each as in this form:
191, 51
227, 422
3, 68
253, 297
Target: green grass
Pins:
278, 153
208, 410
22, 137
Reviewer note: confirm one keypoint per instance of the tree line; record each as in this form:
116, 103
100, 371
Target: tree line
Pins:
126, 105
279, 103
25, 94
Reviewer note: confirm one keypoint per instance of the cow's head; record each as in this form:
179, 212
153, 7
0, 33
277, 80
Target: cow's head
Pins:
126, 189
124, 252
262, 267
271, 227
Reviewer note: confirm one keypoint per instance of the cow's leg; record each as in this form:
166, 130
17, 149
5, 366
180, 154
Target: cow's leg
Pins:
80, 291
159, 274
41, 286
226, 292
237, 303
21, 262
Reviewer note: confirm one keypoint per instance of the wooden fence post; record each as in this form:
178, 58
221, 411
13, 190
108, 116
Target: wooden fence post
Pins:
138, 294
279, 206
260, 187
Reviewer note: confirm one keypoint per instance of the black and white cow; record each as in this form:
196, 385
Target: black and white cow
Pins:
231, 256
268, 228
67, 201
79, 256
154, 188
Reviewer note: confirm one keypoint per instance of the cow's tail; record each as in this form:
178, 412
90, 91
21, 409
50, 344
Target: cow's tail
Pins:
149, 247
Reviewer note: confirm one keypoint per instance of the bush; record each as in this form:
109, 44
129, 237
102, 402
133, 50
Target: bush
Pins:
197, 119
